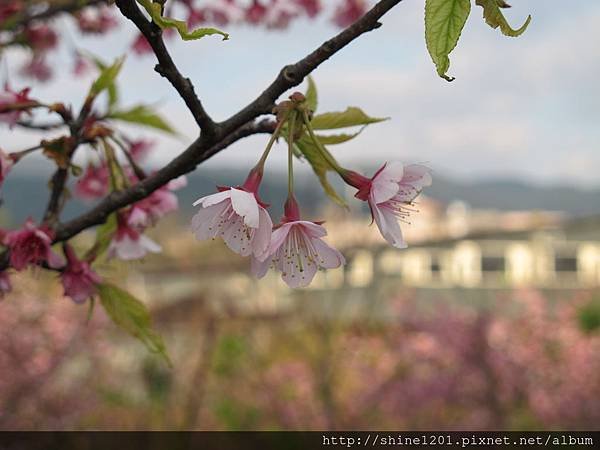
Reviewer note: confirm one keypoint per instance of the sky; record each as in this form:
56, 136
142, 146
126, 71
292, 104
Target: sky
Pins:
520, 108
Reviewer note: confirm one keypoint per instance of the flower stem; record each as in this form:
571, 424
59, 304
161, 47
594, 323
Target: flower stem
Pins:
324, 152
291, 122
274, 136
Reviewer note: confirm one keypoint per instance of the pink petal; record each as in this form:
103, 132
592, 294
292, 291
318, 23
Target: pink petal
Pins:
385, 184
262, 237
388, 226
328, 257
244, 204
212, 199
259, 268
55, 261
235, 235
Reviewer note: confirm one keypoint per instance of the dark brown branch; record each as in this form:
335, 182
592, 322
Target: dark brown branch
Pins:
293, 74
166, 67
208, 145
187, 161
236, 127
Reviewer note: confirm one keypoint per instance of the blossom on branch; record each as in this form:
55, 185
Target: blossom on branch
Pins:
31, 245
390, 194
297, 250
78, 279
237, 216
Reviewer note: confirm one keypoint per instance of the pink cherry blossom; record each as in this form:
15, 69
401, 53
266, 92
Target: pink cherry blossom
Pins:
6, 163
40, 37
5, 284
297, 250
129, 243
390, 194
37, 68
140, 45
146, 212
78, 279
140, 148
349, 12
280, 14
93, 184
236, 216
31, 245
10, 98
223, 12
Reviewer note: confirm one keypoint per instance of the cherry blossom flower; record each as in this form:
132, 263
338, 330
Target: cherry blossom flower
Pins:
349, 12
31, 245
141, 46
95, 21
5, 284
78, 279
237, 216
129, 243
41, 37
140, 148
93, 184
10, 98
297, 250
390, 194
280, 14
37, 68
6, 163
223, 12
312, 7
161, 202
255, 12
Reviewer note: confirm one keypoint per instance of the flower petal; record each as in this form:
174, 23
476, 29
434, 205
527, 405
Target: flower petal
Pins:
388, 226
262, 236
385, 183
244, 203
328, 257
212, 199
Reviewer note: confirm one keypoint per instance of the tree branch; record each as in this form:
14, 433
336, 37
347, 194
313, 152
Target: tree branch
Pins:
229, 131
293, 74
166, 67
236, 127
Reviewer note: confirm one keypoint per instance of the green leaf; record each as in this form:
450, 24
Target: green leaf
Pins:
107, 78
113, 93
142, 115
351, 117
494, 18
333, 139
444, 21
312, 99
319, 165
104, 235
155, 11
132, 316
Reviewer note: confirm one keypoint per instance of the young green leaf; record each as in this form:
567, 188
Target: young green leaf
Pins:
142, 115
351, 117
155, 11
104, 235
333, 139
312, 98
107, 77
494, 18
113, 92
132, 316
319, 165
444, 21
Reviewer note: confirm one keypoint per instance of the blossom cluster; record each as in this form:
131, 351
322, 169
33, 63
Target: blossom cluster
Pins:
31, 245
42, 36
295, 246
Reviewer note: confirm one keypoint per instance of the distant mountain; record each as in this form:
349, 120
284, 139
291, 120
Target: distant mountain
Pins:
26, 195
